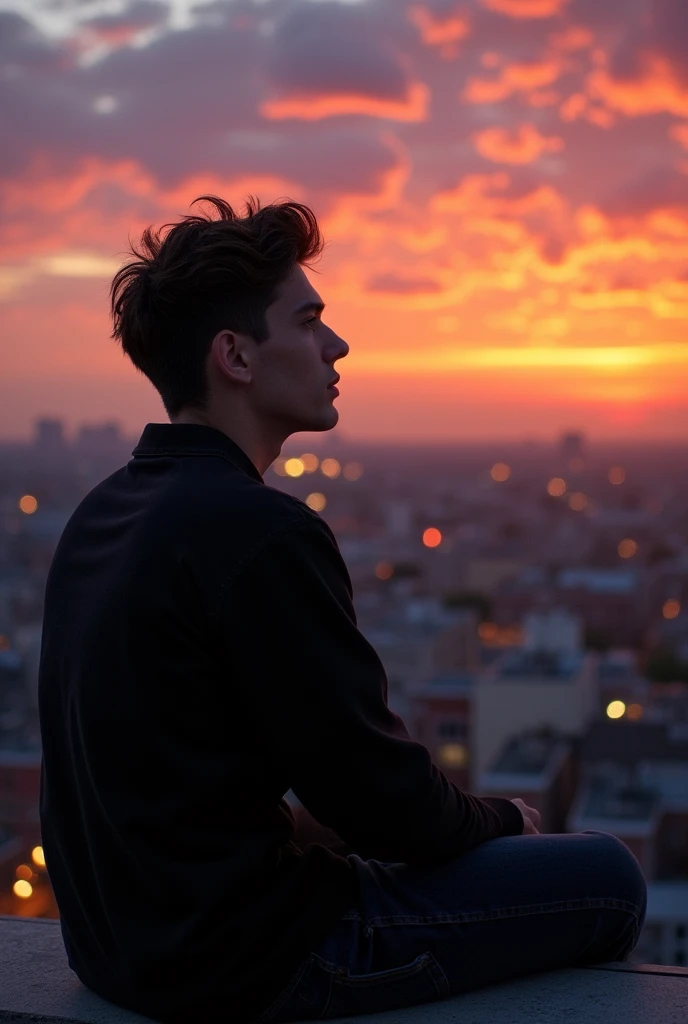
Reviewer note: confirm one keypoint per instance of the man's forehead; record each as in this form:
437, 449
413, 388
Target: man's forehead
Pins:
297, 293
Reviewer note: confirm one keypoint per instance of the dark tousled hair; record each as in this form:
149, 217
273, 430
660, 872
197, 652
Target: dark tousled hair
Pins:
207, 274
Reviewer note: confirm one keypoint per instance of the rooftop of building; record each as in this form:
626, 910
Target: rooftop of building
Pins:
554, 666
530, 753
37, 985
625, 742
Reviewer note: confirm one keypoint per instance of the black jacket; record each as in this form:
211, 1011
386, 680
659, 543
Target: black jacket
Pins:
200, 658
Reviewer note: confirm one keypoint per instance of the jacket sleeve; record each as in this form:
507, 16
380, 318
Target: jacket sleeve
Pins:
319, 693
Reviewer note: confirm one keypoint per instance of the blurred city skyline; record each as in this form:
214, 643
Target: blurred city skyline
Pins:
502, 184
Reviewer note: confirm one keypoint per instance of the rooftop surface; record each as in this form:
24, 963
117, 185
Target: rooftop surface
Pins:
37, 985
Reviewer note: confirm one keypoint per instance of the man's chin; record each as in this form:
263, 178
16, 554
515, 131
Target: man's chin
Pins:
328, 420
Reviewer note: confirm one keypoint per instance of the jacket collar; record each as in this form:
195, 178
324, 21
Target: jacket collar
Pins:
192, 439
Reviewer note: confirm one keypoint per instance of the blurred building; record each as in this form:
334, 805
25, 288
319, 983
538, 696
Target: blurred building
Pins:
49, 437
440, 717
539, 766
634, 784
527, 689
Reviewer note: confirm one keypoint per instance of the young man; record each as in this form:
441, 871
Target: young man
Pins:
201, 658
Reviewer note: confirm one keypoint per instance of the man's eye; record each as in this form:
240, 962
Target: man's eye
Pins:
312, 321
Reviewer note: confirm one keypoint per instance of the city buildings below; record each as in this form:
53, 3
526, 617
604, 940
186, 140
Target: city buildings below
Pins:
541, 767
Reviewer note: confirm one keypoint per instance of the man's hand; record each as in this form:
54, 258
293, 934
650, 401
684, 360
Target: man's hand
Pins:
531, 818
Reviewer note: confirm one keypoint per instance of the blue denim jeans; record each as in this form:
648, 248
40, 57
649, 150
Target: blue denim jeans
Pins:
510, 907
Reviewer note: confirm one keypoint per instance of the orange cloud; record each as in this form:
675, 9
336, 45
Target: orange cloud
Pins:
314, 108
658, 89
522, 146
513, 78
526, 8
680, 133
443, 32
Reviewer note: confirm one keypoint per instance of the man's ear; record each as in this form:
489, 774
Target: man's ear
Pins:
231, 353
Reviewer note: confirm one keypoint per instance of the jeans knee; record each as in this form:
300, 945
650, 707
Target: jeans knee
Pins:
623, 872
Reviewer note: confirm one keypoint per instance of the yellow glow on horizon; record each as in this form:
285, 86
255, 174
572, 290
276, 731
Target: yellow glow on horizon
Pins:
615, 359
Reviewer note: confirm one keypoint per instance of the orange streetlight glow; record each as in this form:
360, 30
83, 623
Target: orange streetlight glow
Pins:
38, 856
353, 471
432, 537
22, 889
316, 501
28, 504
384, 570
500, 472
671, 609
634, 712
627, 548
556, 487
331, 468
310, 462
578, 501
616, 475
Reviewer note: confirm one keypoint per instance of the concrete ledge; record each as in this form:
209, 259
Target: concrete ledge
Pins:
37, 986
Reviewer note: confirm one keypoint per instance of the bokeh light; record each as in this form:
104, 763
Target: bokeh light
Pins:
500, 472
671, 609
616, 709
316, 501
38, 856
294, 467
616, 475
452, 755
634, 712
556, 487
432, 537
353, 471
310, 462
22, 889
627, 548
384, 570
331, 468
578, 501
28, 504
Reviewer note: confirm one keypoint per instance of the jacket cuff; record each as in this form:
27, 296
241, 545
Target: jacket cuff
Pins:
509, 814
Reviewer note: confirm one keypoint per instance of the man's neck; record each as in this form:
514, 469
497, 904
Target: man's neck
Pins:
261, 451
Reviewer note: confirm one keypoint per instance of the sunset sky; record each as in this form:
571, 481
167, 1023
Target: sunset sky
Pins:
502, 184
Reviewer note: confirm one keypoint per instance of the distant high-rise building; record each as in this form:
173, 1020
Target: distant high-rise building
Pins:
49, 435
97, 438
572, 446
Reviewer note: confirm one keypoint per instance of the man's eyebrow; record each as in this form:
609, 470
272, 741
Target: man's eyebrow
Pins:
310, 307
